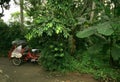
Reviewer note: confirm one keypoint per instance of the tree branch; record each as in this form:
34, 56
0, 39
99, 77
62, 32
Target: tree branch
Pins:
92, 13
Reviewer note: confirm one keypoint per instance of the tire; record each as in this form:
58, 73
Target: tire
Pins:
16, 61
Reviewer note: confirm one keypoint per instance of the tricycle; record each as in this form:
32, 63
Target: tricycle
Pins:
20, 52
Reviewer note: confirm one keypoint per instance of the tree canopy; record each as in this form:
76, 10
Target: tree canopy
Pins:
4, 4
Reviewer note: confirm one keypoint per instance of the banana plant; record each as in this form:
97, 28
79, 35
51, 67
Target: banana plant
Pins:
109, 31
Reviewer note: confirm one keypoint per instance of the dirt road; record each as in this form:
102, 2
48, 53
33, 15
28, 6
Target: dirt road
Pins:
29, 72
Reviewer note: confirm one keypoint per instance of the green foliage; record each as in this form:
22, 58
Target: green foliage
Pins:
99, 31
8, 34
3, 39
105, 42
108, 29
49, 26
101, 28
105, 29
86, 32
116, 53
54, 57
55, 17
100, 68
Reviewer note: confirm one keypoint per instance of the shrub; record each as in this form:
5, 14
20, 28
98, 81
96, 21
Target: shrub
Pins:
92, 63
8, 34
54, 57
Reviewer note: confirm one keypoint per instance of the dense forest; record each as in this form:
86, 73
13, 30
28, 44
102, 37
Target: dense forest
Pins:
73, 35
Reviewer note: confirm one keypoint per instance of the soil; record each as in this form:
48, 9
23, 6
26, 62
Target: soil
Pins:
30, 72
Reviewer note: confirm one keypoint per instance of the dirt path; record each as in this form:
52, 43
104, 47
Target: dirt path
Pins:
29, 72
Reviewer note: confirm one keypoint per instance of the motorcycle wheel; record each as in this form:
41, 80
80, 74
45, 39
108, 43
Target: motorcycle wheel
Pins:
16, 61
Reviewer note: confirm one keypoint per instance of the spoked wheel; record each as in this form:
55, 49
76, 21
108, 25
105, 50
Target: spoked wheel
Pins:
16, 61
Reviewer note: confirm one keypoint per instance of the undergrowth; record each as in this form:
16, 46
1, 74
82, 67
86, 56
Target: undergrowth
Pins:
99, 68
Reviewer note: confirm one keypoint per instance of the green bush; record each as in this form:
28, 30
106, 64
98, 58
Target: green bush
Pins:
3, 37
7, 35
54, 57
92, 63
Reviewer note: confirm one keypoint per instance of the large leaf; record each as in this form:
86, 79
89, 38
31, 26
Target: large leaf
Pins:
105, 29
95, 49
86, 33
102, 28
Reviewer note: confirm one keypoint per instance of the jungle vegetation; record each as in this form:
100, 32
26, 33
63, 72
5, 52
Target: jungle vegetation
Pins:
73, 35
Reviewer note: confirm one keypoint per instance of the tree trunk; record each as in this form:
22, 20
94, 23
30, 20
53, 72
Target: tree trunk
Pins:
21, 15
72, 44
92, 13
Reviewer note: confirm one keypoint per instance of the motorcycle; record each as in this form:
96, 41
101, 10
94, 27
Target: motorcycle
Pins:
20, 52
